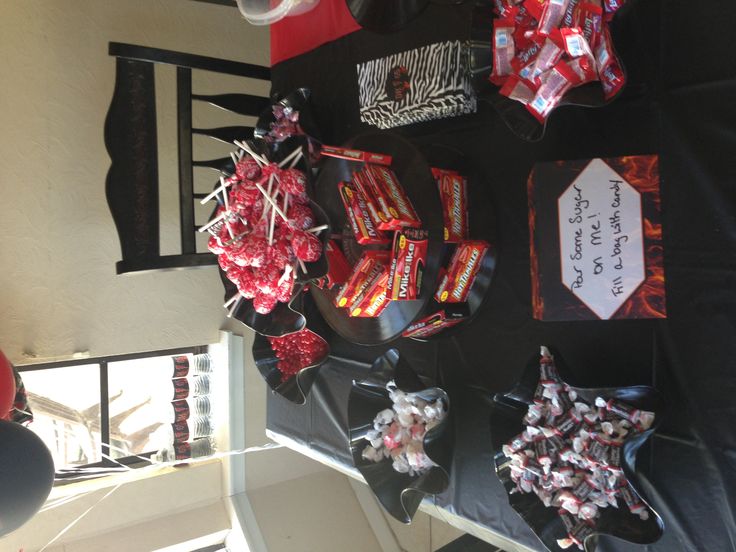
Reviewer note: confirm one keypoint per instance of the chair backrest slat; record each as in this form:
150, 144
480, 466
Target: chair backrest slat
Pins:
242, 104
132, 185
226, 134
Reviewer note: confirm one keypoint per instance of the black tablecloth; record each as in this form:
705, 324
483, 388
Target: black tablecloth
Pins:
678, 104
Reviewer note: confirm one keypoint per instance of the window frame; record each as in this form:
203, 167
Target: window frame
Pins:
133, 461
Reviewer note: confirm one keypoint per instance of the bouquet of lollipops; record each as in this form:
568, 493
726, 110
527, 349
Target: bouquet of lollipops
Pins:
263, 230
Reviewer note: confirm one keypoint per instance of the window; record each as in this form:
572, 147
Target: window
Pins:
102, 412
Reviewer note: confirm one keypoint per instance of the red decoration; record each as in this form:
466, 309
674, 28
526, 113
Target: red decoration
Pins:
7, 387
298, 350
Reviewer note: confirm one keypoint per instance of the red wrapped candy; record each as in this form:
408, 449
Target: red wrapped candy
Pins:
263, 303
293, 181
306, 246
298, 350
247, 168
300, 216
246, 283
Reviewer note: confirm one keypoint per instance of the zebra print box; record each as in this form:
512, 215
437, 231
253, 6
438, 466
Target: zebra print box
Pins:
432, 82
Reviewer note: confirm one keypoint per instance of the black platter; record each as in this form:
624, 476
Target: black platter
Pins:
415, 177
507, 412
399, 493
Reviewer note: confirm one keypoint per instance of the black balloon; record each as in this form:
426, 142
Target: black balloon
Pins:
26, 475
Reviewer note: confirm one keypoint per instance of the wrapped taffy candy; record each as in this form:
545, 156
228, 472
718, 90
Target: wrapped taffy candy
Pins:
570, 453
398, 432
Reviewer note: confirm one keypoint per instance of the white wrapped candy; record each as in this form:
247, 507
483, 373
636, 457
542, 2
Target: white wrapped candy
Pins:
399, 431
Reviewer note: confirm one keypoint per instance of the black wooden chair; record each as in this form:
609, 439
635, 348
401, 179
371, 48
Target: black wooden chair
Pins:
132, 184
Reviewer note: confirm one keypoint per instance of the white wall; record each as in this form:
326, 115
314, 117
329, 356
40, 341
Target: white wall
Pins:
58, 245
165, 498
316, 513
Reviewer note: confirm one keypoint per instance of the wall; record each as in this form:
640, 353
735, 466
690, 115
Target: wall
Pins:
58, 244
160, 500
316, 513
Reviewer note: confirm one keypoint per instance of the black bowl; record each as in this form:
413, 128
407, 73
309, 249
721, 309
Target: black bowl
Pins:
283, 318
513, 113
506, 422
481, 213
296, 388
399, 493
416, 179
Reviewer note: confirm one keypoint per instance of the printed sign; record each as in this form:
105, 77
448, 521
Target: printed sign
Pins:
596, 248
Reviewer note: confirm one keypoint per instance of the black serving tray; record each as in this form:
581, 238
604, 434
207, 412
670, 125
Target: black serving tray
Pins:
399, 493
413, 172
296, 388
284, 318
482, 215
507, 412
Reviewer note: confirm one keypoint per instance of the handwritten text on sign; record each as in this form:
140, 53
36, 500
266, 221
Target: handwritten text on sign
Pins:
601, 245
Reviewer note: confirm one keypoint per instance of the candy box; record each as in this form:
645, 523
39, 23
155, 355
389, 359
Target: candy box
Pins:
436, 322
392, 197
374, 299
356, 155
338, 268
365, 231
454, 197
364, 272
408, 257
456, 283
363, 184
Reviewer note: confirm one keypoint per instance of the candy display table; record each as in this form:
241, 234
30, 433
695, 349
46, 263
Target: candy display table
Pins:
678, 106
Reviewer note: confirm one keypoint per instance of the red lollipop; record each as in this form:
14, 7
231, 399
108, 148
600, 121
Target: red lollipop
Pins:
247, 168
7, 387
306, 246
264, 303
300, 216
214, 245
247, 283
293, 182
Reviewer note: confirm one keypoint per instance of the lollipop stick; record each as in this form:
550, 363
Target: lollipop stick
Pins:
289, 157
260, 160
270, 231
213, 221
234, 306
220, 189
271, 201
231, 300
295, 161
303, 266
318, 229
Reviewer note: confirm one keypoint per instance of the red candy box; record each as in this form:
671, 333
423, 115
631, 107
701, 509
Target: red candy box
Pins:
408, 257
464, 265
365, 231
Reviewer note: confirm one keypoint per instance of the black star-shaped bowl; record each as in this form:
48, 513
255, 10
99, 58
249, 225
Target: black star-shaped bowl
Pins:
506, 422
399, 493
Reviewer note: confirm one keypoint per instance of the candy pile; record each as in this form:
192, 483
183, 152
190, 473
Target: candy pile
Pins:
380, 213
570, 454
544, 48
298, 350
398, 432
262, 228
458, 276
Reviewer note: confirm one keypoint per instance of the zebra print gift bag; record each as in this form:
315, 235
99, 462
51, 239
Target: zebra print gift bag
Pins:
432, 82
